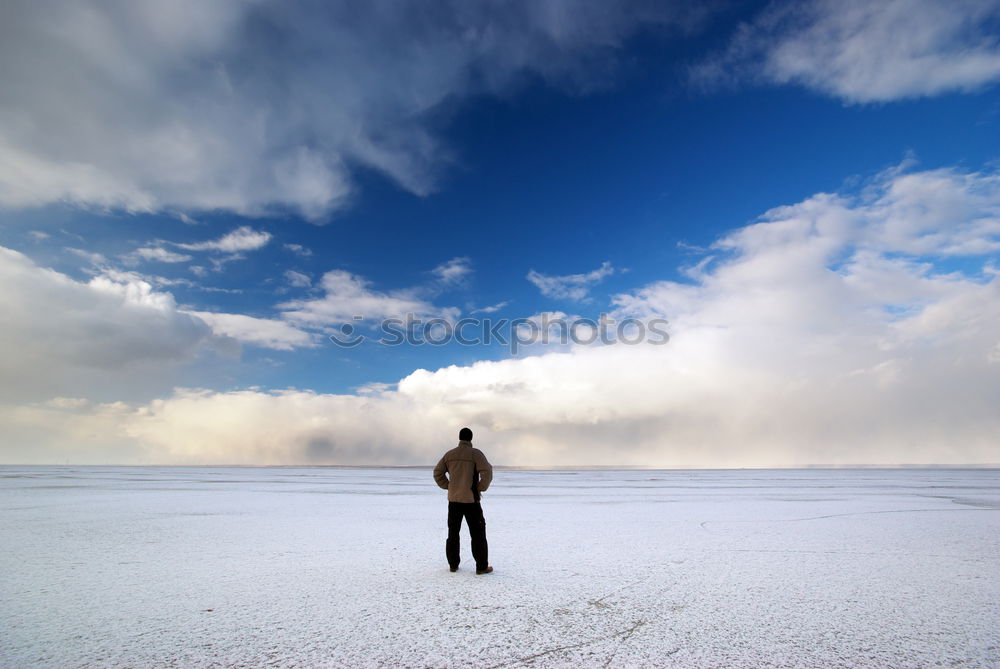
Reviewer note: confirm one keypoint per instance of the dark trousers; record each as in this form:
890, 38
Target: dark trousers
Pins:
473, 514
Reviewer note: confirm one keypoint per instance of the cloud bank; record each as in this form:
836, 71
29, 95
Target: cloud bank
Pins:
850, 328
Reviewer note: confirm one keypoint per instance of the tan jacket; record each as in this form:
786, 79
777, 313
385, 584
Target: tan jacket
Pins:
464, 472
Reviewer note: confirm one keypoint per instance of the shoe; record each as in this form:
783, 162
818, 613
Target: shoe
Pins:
452, 568
488, 570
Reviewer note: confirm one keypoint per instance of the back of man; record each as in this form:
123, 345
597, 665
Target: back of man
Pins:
465, 473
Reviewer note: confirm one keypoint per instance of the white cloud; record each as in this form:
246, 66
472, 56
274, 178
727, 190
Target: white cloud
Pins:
347, 295
493, 308
115, 333
264, 332
123, 276
38, 235
28, 179
67, 403
863, 51
66, 337
159, 254
571, 286
298, 249
453, 272
941, 212
243, 238
219, 263
554, 330
271, 105
297, 279
375, 388
91, 257
938, 212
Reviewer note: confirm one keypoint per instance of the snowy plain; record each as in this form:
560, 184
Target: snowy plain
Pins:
294, 567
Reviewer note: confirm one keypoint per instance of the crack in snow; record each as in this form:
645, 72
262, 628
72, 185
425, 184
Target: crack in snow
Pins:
530, 658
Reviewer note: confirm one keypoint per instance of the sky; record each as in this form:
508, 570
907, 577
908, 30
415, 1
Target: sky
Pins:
214, 218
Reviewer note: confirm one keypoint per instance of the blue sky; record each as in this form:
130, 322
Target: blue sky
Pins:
283, 155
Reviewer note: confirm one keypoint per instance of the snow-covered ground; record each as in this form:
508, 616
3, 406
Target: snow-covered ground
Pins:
192, 567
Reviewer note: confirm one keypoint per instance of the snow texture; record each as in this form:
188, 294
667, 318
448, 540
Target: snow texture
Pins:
294, 567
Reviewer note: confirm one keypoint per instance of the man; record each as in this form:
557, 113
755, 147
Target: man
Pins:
465, 473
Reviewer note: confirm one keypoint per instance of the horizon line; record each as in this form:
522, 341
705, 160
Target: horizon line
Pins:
540, 467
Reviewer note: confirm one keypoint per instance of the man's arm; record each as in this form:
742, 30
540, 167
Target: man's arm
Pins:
441, 474
485, 471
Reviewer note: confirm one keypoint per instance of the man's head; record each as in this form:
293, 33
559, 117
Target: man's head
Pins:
465, 434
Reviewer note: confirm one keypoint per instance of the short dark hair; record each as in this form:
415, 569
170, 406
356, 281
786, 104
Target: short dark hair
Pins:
465, 434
